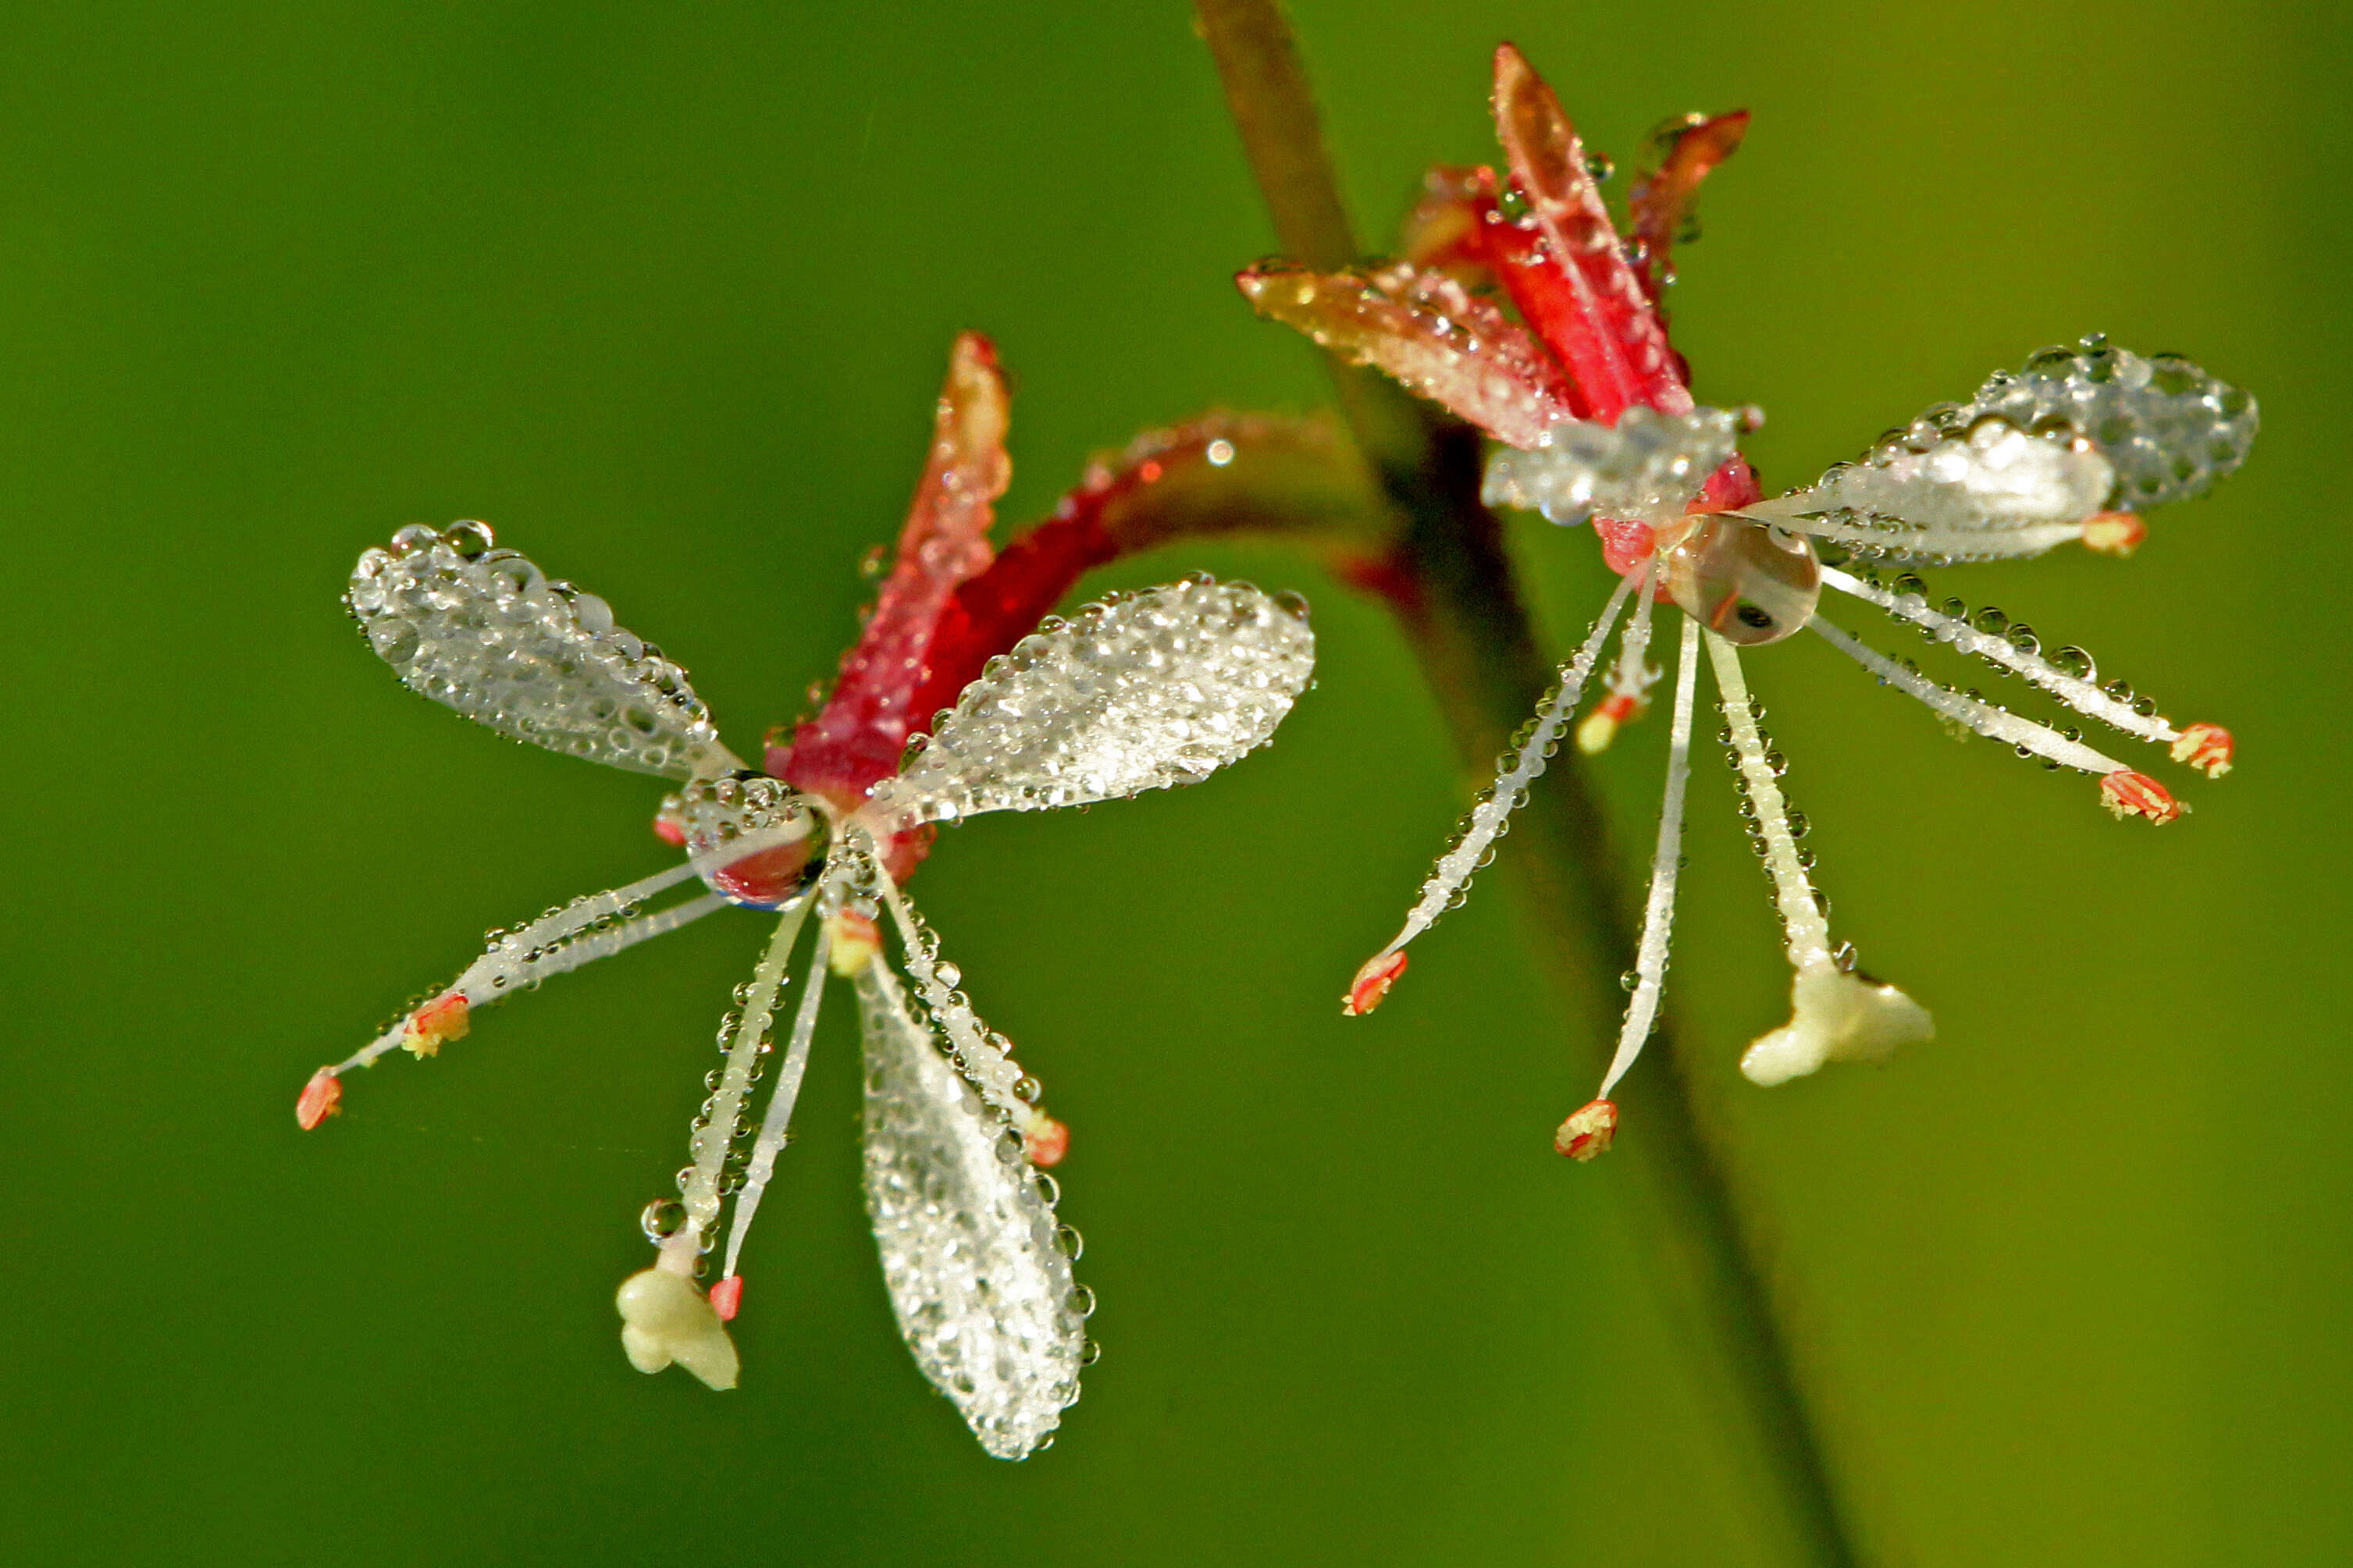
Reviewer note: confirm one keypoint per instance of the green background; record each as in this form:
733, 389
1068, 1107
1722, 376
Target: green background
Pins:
664, 293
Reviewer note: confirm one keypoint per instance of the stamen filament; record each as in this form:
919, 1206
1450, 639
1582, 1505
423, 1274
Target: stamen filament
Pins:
983, 1062
2083, 696
1630, 678
1658, 912
777, 1120
553, 944
1519, 769
1807, 930
1983, 717
714, 1132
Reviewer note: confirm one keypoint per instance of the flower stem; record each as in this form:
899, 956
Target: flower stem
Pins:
1454, 592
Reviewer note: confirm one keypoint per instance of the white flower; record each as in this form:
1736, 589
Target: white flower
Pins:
1145, 691
2036, 458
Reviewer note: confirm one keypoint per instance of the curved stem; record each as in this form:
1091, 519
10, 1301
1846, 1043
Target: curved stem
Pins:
1452, 588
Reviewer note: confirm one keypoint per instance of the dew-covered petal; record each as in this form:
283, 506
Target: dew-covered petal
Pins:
1425, 330
975, 1262
2168, 430
1647, 467
486, 633
1145, 692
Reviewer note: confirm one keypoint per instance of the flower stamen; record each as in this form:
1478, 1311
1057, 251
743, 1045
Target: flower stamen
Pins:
1659, 909
2077, 691
1518, 769
1590, 1131
1630, 678
776, 1123
1983, 718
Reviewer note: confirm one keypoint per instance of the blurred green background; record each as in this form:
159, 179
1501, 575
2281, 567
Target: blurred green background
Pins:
664, 293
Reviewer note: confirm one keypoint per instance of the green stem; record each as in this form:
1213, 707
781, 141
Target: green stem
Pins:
1462, 613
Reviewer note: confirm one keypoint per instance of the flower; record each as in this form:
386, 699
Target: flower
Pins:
1597, 423
1136, 692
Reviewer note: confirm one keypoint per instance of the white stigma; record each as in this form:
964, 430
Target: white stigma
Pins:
1834, 1015
665, 1319
1835, 1018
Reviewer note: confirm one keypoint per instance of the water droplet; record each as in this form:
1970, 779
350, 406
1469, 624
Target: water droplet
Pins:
661, 1219
2075, 661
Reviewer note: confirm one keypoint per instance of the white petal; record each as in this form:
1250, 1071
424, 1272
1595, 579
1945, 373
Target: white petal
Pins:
2168, 430
1158, 689
983, 1292
1648, 467
1995, 491
485, 632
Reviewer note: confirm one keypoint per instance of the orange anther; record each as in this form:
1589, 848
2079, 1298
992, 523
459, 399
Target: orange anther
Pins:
855, 940
1046, 1140
436, 1023
2117, 534
2129, 794
727, 1298
1372, 982
1588, 1131
321, 1097
1600, 726
2206, 747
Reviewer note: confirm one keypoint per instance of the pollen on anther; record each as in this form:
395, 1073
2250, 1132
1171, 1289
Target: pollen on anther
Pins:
2206, 747
1601, 727
855, 940
2129, 794
727, 1298
2117, 533
1372, 982
1589, 1131
1046, 1140
321, 1097
436, 1023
